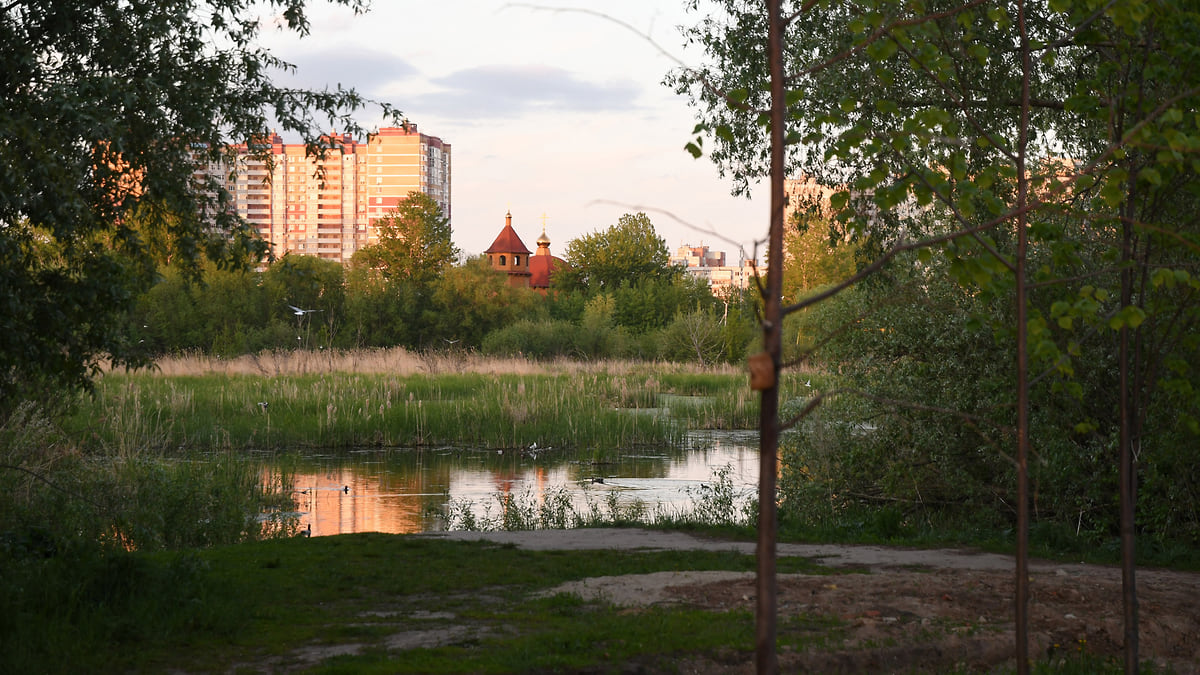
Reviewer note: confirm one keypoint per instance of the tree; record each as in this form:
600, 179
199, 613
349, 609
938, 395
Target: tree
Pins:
472, 300
414, 242
308, 283
813, 260
939, 124
109, 107
628, 251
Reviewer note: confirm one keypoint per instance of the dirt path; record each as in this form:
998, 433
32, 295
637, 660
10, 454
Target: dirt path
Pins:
934, 609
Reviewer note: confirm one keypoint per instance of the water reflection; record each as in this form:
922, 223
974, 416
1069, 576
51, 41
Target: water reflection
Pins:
408, 491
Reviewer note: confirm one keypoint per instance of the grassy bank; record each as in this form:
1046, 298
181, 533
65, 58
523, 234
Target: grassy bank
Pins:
372, 603
395, 399
264, 603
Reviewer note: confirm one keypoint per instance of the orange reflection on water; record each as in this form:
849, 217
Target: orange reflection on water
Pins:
342, 500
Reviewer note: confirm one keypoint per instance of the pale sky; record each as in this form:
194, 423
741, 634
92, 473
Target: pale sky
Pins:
561, 113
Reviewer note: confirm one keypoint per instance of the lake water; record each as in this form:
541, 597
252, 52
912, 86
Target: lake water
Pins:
410, 491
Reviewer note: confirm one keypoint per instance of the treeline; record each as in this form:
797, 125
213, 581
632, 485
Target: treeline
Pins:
669, 316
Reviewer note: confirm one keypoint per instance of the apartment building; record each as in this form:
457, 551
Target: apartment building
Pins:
329, 207
704, 263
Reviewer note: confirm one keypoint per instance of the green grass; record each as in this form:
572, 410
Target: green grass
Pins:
261, 606
260, 602
130, 412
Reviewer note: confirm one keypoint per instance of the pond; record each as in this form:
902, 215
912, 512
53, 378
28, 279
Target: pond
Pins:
410, 491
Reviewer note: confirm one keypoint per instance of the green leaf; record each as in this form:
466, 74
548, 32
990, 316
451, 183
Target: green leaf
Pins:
1128, 317
1150, 175
694, 149
1113, 193
979, 52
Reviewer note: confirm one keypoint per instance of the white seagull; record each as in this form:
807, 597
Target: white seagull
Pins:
301, 312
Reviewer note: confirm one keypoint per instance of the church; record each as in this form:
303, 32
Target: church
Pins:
527, 269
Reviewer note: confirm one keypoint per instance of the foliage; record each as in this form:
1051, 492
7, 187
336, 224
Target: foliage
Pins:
472, 300
601, 261
1062, 186
109, 110
694, 336
545, 339
647, 303
380, 313
414, 242
897, 436
815, 257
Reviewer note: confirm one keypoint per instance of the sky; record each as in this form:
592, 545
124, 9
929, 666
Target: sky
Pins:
551, 113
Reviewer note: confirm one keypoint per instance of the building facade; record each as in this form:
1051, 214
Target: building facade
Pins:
723, 280
328, 207
525, 268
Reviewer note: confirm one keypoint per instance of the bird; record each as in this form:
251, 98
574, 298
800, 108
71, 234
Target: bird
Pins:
306, 532
451, 341
346, 489
598, 480
263, 405
533, 445
808, 384
301, 312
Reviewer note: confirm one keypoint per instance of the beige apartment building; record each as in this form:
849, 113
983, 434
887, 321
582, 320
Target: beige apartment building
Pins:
328, 208
704, 263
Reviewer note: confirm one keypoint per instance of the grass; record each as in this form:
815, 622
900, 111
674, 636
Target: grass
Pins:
261, 602
495, 405
298, 604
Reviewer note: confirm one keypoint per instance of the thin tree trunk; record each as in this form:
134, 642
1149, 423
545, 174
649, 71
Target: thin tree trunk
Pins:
766, 659
1022, 580
1128, 476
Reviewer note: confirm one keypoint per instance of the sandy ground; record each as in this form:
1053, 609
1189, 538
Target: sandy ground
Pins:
928, 609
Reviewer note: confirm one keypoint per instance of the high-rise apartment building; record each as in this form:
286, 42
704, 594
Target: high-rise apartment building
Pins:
328, 207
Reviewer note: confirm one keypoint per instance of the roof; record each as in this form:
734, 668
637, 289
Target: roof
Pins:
540, 268
508, 242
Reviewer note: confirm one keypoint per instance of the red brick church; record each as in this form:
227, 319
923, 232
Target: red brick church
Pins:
508, 254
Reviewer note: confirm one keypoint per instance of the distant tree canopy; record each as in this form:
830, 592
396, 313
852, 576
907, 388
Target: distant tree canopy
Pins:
629, 251
109, 107
414, 241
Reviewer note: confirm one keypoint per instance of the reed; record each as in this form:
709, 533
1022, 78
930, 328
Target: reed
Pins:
400, 361
393, 398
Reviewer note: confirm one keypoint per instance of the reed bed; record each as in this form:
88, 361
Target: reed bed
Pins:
395, 398
400, 361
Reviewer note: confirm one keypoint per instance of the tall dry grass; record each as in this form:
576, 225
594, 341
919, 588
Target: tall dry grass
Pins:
400, 361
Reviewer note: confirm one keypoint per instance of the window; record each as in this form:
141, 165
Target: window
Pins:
502, 261
516, 260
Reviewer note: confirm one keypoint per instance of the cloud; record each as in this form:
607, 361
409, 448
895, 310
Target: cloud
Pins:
508, 91
367, 70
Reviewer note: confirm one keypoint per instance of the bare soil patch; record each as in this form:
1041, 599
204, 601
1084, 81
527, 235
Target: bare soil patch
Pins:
916, 609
